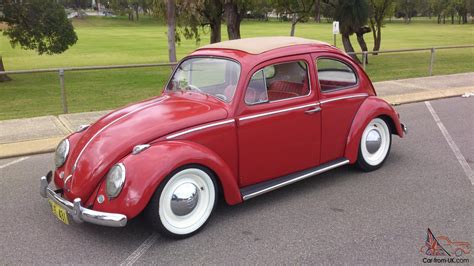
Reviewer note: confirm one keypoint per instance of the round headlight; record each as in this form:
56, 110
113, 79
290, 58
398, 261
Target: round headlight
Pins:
115, 180
61, 153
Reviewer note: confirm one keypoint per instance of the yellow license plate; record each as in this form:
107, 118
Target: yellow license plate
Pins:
59, 212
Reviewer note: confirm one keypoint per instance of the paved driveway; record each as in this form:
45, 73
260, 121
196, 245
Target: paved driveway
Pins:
343, 216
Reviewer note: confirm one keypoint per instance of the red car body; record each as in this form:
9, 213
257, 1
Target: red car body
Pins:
190, 128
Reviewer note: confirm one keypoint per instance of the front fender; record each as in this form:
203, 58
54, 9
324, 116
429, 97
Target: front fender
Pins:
146, 170
371, 108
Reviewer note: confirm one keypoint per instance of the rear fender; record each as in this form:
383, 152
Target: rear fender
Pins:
371, 108
146, 170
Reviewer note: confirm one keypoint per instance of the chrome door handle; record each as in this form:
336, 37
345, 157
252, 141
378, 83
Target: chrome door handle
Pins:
314, 110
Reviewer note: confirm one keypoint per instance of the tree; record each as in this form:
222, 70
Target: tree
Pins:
212, 12
171, 23
328, 10
438, 7
379, 10
317, 11
409, 8
122, 7
462, 9
131, 8
352, 16
234, 10
360, 39
39, 25
299, 10
77, 5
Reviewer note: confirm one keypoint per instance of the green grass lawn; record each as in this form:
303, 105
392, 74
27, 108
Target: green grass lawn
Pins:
108, 41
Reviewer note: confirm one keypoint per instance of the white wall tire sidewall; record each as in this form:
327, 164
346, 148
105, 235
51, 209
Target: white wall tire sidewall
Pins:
187, 224
379, 156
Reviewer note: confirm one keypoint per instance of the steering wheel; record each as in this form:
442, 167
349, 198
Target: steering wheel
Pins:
221, 96
193, 88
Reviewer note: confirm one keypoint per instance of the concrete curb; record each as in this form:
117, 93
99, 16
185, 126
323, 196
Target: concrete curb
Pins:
39, 146
28, 147
426, 95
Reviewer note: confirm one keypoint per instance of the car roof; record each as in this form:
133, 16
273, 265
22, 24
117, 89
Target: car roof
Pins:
261, 45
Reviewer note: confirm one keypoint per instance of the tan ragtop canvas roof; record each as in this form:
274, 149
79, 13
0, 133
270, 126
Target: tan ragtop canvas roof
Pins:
260, 45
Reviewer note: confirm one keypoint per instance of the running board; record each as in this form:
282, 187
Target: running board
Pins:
267, 186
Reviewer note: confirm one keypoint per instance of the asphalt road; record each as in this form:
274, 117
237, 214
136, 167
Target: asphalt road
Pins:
343, 216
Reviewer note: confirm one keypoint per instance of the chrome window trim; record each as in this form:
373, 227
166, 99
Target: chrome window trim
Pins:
266, 90
358, 95
277, 111
165, 90
286, 99
341, 61
200, 128
111, 123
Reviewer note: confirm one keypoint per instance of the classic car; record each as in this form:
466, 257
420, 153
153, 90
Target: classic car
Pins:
236, 119
443, 246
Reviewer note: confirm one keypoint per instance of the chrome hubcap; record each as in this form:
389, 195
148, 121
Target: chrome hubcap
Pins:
184, 199
373, 141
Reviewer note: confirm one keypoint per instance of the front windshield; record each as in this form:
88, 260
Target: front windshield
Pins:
213, 76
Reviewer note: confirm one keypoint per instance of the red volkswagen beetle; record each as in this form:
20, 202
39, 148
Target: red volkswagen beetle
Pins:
241, 117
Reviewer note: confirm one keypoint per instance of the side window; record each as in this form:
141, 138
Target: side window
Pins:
278, 82
334, 74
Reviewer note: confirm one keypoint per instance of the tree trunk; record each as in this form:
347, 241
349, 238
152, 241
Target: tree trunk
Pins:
439, 19
346, 41
215, 30
233, 20
360, 39
171, 22
294, 20
363, 45
3, 78
136, 11
213, 13
377, 38
317, 9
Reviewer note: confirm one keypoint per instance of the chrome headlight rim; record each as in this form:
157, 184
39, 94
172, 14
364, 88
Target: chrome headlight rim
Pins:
121, 180
60, 158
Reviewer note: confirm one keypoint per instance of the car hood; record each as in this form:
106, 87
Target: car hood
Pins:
113, 136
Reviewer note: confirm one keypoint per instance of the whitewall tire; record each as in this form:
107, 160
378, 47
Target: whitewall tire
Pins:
374, 145
183, 203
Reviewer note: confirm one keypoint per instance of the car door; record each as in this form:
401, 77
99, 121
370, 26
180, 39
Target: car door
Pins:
280, 123
340, 97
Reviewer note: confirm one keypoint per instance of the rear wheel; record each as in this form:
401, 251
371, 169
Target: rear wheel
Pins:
183, 203
374, 145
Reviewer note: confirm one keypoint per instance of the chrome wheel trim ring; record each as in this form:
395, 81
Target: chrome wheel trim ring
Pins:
186, 222
373, 155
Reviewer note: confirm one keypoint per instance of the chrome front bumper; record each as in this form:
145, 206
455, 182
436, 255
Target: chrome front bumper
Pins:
78, 213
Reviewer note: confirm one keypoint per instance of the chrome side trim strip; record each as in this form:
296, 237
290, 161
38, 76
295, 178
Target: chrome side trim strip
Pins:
294, 180
200, 128
111, 123
277, 112
344, 97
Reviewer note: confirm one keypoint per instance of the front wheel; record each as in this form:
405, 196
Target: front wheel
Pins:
374, 145
183, 203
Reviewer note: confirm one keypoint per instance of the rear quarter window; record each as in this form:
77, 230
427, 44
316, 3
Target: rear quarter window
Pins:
334, 74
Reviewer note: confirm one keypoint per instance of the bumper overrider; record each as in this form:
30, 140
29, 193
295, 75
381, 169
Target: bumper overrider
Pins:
404, 128
78, 213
